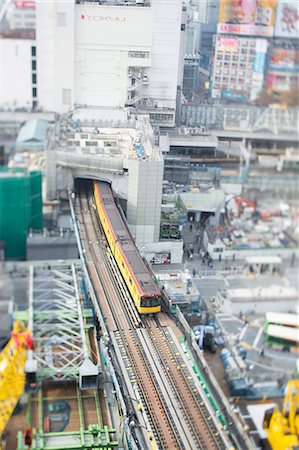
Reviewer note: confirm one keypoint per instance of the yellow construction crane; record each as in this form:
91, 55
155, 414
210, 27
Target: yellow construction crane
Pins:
283, 426
12, 371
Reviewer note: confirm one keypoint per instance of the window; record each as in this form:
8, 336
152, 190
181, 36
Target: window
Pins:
33, 65
33, 51
61, 19
34, 92
138, 54
34, 78
66, 96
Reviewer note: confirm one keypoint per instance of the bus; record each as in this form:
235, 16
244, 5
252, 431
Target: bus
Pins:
282, 330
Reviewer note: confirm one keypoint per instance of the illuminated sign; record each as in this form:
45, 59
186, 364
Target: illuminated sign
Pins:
227, 44
109, 19
245, 30
247, 17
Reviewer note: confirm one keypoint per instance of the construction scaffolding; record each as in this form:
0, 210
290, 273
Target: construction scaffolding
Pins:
68, 408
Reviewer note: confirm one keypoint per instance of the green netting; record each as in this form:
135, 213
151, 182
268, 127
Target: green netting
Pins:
20, 208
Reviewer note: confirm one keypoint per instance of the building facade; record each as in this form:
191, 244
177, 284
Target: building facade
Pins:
21, 15
256, 54
55, 55
18, 76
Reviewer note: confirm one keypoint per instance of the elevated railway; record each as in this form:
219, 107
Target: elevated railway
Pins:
171, 408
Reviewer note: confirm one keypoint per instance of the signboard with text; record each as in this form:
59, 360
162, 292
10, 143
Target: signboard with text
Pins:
247, 17
227, 44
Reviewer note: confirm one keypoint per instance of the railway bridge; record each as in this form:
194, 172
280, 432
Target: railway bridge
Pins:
165, 404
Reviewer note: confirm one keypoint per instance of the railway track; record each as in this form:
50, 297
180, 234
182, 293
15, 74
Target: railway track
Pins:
129, 350
176, 415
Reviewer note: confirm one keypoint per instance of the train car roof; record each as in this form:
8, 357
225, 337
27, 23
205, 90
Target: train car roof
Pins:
124, 239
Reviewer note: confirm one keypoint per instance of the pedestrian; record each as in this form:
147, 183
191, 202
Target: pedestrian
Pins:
234, 256
190, 227
193, 272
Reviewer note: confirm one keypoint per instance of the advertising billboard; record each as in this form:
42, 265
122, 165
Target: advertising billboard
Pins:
279, 83
247, 17
227, 44
287, 19
284, 59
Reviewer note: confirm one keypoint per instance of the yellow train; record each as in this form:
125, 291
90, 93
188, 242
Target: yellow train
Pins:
139, 281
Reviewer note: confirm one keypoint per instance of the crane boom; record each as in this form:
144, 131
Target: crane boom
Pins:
12, 371
283, 426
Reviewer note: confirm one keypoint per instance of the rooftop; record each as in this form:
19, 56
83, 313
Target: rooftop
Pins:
33, 132
271, 293
206, 201
107, 133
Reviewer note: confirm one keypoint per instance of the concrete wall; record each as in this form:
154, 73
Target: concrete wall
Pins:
55, 54
144, 199
16, 73
103, 37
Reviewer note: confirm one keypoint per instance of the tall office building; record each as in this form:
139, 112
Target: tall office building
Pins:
111, 53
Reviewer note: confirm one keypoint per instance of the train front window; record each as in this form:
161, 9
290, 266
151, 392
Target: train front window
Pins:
150, 302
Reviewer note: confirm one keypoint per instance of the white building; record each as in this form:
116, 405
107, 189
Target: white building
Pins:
55, 54
18, 87
112, 55
21, 17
